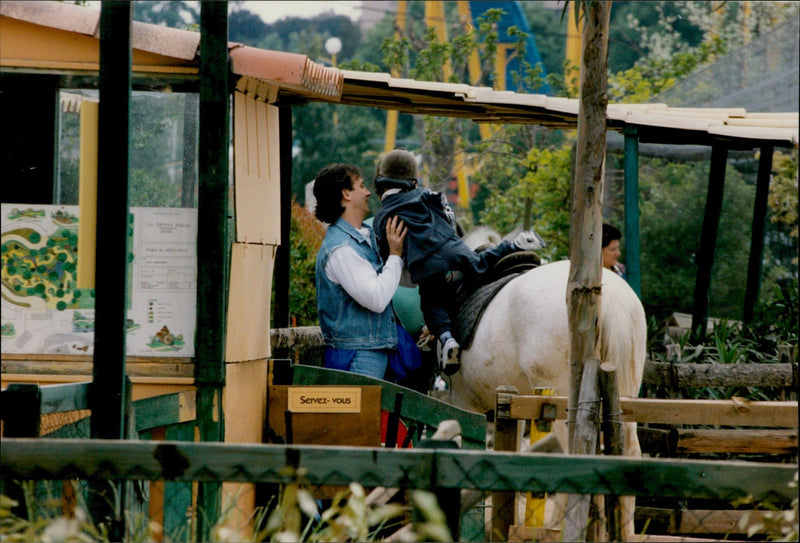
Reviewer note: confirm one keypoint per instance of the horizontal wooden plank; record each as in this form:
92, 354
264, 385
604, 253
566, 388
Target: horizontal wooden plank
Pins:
706, 412
15, 357
160, 368
402, 468
165, 410
700, 521
67, 397
720, 375
736, 441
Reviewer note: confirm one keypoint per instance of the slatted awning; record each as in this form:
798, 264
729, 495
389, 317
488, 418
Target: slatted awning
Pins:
34, 34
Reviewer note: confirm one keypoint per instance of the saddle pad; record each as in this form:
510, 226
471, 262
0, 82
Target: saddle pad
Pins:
472, 307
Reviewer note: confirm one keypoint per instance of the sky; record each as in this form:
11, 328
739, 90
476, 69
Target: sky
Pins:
274, 10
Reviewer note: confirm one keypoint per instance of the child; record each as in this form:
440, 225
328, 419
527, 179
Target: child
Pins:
432, 248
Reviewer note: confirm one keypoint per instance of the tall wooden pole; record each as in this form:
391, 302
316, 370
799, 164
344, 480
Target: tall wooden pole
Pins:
586, 232
583, 288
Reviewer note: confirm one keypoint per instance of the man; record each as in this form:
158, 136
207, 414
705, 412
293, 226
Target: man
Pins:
354, 287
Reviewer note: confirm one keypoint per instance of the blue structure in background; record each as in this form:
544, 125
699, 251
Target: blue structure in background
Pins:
513, 16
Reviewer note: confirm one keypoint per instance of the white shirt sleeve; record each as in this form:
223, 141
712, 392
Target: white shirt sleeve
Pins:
374, 291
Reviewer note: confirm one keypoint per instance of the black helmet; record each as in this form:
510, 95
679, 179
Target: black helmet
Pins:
398, 169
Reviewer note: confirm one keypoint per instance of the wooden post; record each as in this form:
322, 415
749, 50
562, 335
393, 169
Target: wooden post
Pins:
108, 394
506, 438
613, 440
708, 239
585, 273
449, 498
757, 234
21, 407
282, 275
213, 251
584, 442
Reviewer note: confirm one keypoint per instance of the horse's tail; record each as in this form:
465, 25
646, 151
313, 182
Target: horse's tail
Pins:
623, 333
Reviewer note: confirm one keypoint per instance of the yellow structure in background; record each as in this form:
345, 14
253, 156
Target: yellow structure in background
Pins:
392, 114
573, 52
87, 195
535, 503
435, 17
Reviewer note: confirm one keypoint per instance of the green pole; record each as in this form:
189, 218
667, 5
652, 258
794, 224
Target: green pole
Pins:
213, 251
632, 243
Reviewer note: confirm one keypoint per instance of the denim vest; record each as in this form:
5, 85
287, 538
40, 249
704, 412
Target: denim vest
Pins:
346, 324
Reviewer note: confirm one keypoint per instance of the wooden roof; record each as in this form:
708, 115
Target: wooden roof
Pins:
53, 36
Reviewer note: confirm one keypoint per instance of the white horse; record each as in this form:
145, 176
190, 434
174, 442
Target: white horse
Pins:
523, 340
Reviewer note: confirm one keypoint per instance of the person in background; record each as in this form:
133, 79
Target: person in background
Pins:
354, 286
433, 249
611, 252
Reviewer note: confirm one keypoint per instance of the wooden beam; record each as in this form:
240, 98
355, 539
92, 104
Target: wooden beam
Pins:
706, 412
213, 249
720, 375
108, 400
720, 522
165, 410
506, 438
736, 441
41, 458
708, 239
282, 261
754, 264
67, 397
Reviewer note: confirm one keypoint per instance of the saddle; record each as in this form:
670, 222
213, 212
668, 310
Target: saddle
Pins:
473, 297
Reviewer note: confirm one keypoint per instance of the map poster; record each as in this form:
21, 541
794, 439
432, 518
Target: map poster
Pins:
43, 311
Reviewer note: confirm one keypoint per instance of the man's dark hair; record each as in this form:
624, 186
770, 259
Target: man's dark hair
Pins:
610, 233
328, 187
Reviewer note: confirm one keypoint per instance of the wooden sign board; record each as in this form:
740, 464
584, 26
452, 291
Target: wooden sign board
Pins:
327, 415
324, 399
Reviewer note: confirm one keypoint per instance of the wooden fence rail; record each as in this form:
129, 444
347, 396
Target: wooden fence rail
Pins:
720, 375
735, 412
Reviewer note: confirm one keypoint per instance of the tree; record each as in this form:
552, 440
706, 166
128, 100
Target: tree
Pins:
585, 272
172, 14
245, 26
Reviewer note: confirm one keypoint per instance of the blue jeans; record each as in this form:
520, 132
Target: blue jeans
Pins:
371, 363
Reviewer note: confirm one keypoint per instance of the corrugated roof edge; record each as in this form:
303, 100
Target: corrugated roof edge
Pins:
290, 70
